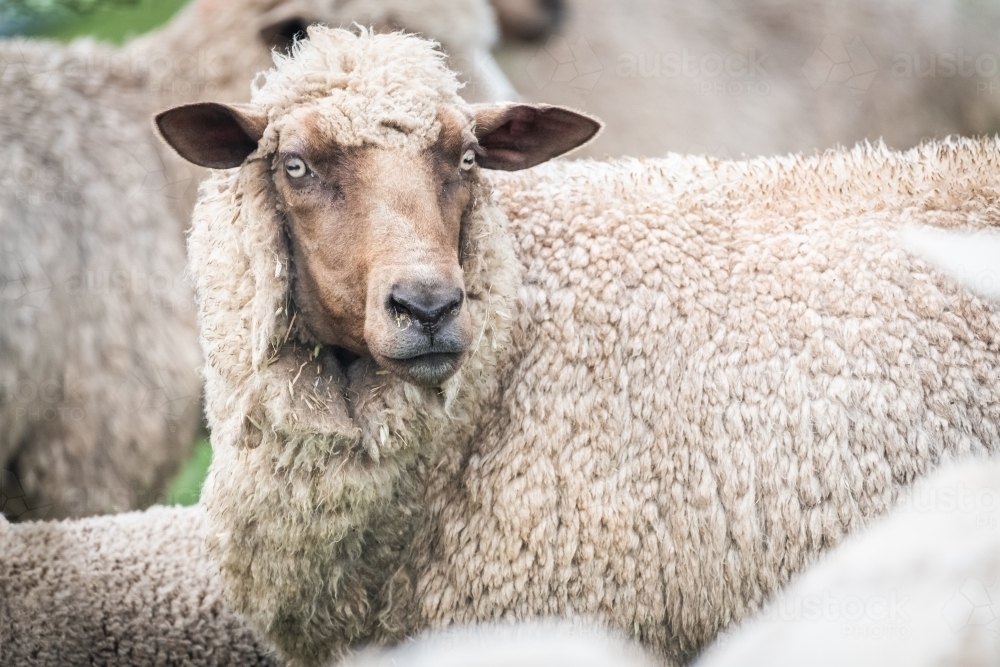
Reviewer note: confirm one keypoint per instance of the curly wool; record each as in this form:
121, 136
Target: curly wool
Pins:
361, 92
134, 590
693, 377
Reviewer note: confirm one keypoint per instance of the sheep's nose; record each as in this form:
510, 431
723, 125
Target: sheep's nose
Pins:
429, 305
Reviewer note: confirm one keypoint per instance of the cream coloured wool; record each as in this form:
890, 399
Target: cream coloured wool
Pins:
99, 394
919, 588
130, 590
691, 377
764, 77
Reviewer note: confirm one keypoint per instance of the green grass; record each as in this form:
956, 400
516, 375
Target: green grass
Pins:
186, 487
111, 24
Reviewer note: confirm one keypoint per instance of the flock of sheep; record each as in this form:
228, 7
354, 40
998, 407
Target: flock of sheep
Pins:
453, 382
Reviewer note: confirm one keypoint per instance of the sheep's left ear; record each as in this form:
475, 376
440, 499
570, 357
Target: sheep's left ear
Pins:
217, 136
518, 136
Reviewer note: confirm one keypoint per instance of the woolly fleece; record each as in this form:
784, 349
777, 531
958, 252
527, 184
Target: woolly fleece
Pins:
918, 589
693, 377
99, 393
134, 590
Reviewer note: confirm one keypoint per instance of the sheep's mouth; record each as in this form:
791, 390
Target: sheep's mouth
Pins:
429, 369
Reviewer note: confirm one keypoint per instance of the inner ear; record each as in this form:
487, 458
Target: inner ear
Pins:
519, 136
280, 34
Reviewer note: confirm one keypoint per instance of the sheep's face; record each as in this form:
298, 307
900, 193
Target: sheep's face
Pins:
375, 236
375, 227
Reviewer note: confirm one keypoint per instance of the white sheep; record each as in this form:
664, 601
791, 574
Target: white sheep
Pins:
767, 77
134, 590
647, 392
539, 644
99, 394
919, 588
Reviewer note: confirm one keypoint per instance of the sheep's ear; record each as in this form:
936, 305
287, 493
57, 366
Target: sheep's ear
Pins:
518, 136
279, 28
218, 136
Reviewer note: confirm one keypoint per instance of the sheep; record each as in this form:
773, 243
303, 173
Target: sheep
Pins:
548, 644
134, 589
918, 588
99, 394
645, 392
735, 77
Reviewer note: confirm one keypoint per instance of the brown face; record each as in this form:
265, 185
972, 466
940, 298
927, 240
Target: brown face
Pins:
375, 245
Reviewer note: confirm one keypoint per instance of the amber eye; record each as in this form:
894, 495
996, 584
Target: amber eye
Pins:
468, 160
296, 167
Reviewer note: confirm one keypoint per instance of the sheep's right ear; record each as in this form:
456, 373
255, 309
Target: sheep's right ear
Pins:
217, 136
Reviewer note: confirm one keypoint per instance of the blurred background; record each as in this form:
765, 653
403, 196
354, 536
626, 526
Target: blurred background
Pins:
728, 78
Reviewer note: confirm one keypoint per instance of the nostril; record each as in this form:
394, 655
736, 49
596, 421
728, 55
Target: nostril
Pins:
427, 306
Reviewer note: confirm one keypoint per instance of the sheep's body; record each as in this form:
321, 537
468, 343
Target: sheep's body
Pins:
917, 589
724, 368
692, 376
734, 77
99, 394
134, 590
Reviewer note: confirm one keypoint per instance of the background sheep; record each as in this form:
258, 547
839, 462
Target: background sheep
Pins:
686, 377
134, 590
729, 77
529, 20
99, 396
546, 644
919, 588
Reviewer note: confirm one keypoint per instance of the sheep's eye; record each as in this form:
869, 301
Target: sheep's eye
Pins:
468, 160
295, 167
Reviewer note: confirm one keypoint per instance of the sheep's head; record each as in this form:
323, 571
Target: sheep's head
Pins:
375, 178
